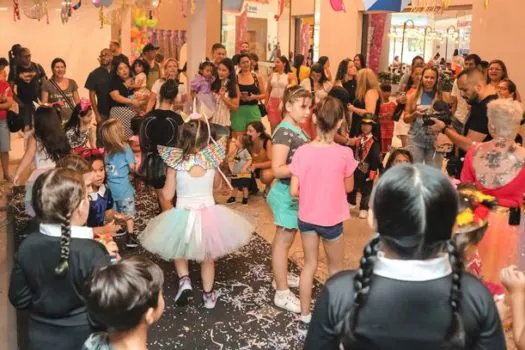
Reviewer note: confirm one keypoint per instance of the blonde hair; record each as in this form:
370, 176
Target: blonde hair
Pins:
436, 90
112, 133
366, 80
505, 117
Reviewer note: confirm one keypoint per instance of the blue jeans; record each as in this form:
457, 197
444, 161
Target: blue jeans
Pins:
329, 233
426, 155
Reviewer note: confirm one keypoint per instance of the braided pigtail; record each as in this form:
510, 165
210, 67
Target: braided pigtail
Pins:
65, 243
455, 337
361, 289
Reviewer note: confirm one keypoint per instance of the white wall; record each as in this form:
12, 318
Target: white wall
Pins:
303, 7
497, 33
78, 42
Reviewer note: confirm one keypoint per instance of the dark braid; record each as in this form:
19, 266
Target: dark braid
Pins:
455, 337
361, 289
65, 243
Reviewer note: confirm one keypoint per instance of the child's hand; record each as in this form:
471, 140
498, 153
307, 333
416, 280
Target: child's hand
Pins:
111, 227
513, 279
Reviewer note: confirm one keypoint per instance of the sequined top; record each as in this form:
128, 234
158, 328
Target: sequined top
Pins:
208, 158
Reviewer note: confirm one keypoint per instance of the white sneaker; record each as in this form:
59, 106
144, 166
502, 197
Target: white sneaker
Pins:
184, 292
306, 319
293, 281
363, 214
286, 300
351, 206
210, 300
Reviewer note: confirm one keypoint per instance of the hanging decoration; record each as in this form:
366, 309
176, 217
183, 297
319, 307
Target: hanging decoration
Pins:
16, 11
183, 8
430, 6
486, 4
387, 5
144, 29
36, 9
377, 27
280, 10
241, 27
338, 5
65, 11
192, 9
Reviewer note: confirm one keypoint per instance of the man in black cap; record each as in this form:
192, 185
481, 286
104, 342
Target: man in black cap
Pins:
116, 51
148, 55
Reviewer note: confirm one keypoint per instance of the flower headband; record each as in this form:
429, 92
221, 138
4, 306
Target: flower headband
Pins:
88, 152
478, 206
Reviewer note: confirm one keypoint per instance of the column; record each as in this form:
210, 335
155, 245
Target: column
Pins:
204, 29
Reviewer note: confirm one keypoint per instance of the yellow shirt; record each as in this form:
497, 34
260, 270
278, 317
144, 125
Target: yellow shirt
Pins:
304, 72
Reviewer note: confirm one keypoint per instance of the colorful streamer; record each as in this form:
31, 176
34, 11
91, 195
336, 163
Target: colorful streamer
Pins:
16, 11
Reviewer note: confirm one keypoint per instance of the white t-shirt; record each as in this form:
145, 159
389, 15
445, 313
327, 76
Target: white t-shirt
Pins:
156, 89
463, 108
319, 94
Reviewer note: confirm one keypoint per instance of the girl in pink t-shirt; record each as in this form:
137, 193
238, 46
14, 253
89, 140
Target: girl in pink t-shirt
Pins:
322, 175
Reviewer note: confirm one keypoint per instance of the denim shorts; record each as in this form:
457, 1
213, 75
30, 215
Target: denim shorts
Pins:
329, 233
5, 137
126, 206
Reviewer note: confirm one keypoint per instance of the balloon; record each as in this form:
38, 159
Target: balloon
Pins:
107, 3
152, 23
96, 3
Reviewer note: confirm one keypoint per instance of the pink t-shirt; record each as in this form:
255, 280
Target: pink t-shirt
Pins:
321, 172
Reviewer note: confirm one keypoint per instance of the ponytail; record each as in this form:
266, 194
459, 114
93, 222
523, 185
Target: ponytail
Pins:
361, 289
65, 244
455, 336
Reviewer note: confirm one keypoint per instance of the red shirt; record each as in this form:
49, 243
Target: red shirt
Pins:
509, 195
5, 90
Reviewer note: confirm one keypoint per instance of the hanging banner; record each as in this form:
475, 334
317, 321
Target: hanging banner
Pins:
377, 27
386, 5
241, 27
304, 43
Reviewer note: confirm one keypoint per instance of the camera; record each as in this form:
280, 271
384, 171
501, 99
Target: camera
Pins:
440, 111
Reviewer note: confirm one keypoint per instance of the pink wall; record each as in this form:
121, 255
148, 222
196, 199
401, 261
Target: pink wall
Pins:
497, 33
78, 42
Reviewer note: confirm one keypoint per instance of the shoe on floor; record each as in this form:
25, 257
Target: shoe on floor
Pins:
131, 241
209, 299
293, 281
363, 214
286, 300
351, 206
230, 200
306, 319
245, 201
184, 293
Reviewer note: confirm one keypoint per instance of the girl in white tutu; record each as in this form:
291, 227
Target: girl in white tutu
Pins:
197, 228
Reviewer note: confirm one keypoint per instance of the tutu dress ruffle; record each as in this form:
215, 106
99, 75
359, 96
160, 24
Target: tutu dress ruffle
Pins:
197, 229
198, 234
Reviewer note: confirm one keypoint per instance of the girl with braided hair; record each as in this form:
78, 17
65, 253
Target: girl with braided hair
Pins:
53, 264
410, 291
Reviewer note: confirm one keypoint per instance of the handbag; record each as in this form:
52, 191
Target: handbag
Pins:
15, 122
260, 104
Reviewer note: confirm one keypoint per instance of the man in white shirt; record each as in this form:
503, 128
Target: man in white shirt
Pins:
460, 107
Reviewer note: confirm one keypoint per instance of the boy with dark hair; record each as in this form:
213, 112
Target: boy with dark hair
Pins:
127, 299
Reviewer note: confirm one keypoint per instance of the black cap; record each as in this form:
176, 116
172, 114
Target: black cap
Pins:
149, 47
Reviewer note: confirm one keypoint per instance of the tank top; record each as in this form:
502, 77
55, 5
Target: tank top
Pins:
251, 89
278, 82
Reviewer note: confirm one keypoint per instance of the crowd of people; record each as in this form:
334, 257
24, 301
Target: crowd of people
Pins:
449, 219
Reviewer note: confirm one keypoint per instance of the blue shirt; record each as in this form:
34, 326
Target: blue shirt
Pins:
99, 203
117, 172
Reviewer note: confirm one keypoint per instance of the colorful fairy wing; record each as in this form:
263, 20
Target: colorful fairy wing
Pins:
172, 156
214, 153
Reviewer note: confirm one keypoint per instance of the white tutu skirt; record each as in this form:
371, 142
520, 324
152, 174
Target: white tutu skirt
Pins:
200, 234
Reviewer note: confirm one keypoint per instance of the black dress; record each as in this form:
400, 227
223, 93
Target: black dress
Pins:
400, 313
58, 313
